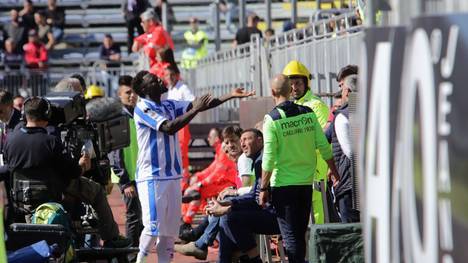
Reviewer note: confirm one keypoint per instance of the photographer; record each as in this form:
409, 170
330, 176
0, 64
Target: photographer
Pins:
32, 154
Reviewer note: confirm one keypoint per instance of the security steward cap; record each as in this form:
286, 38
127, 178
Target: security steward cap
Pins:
296, 69
94, 91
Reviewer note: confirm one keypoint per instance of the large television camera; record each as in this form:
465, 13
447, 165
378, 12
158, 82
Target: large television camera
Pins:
97, 128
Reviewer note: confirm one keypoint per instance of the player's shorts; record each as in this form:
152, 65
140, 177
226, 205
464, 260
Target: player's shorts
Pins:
160, 204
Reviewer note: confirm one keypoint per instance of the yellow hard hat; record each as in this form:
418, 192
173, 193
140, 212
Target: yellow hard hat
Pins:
297, 69
94, 91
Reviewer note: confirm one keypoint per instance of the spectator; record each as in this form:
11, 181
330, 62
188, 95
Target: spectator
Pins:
269, 33
109, 50
197, 42
289, 167
35, 53
27, 15
10, 56
343, 155
243, 35
55, 19
226, 7
16, 31
154, 40
18, 102
332, 26
288, 25
170, 13
132, 9
44, 31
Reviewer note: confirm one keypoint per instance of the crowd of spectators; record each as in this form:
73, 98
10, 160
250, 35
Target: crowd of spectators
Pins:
31, 33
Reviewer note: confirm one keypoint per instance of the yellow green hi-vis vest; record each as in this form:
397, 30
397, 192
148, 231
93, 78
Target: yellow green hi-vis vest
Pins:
291, 136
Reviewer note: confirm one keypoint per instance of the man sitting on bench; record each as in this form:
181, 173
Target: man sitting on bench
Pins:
242, 217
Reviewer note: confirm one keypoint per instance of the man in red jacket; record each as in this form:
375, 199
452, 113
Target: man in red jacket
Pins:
154, 38
219, 175
35, 52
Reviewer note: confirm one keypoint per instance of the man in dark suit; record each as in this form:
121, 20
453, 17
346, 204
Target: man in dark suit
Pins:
132, 10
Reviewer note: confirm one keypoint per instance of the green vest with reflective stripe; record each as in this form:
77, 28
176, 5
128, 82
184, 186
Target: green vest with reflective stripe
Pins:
130, 153
319, 107
199, 37
291, 136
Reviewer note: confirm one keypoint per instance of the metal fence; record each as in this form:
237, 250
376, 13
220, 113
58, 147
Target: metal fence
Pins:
36, 82
323, 46
219, 73
322, 50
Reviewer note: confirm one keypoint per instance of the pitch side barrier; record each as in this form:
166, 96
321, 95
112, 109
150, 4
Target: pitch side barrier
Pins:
323, 46
19, 79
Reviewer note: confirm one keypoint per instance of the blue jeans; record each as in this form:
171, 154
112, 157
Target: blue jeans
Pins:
231, 11
210, 233
239, 227
57, 33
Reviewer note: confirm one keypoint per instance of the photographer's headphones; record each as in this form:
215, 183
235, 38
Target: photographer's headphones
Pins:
47, 114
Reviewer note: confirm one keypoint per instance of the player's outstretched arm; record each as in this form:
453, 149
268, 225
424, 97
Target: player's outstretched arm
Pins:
235, 93
196, 106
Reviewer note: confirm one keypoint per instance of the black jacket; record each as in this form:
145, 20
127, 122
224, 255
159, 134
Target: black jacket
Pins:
117, 163
343, 163
141, 6
15, 119
40, 156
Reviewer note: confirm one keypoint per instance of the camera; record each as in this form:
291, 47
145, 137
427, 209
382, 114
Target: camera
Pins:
102, 129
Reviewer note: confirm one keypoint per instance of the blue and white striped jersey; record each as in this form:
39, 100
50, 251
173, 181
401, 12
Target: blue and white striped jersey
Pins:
158, 153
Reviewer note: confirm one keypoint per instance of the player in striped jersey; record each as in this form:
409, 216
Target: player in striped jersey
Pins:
159, 166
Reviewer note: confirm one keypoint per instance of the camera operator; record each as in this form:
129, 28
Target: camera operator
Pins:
33, 154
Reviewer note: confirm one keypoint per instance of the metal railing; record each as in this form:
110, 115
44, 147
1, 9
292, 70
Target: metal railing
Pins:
106, 74
323, 46
219, 73
21, 80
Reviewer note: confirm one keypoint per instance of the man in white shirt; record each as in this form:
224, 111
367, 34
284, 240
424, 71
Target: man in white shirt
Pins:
343, 155
179, 91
